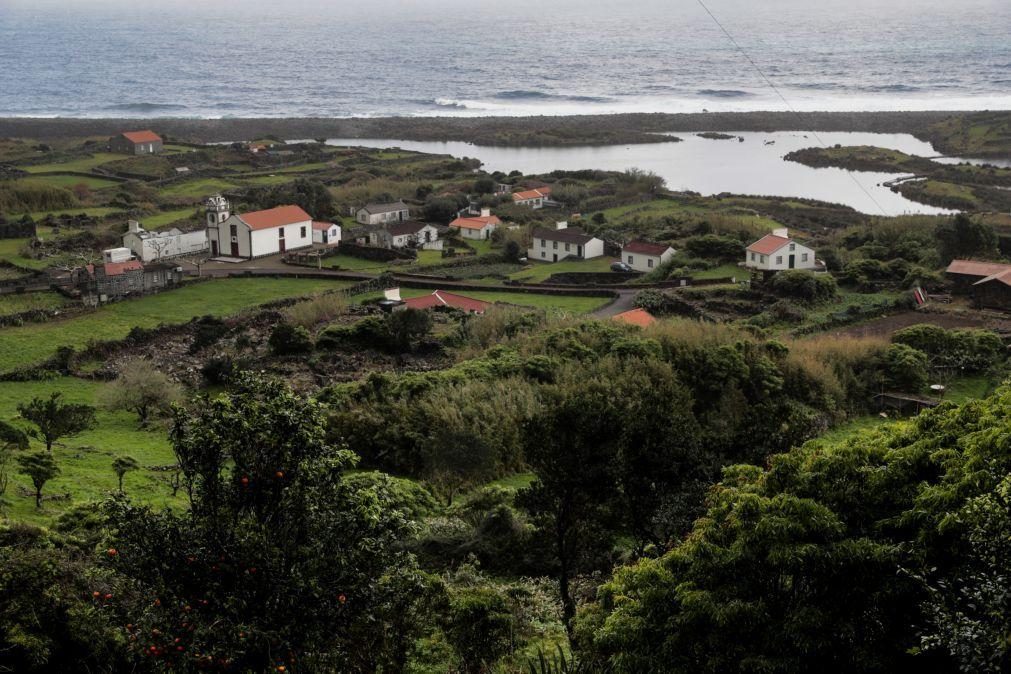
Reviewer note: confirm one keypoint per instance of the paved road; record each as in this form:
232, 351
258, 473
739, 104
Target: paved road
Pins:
623, 303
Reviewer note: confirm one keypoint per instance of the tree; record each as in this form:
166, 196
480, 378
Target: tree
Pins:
964, 237
484, 185
143, 389
54, 419
290, 340
441, 209
408, 327
479, 627
311, 195
121, 465
278, 559
39, 467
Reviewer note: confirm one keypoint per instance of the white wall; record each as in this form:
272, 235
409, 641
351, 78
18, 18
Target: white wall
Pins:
483, 233
591, 249
641, 261
155, 248
297, 235
780, 259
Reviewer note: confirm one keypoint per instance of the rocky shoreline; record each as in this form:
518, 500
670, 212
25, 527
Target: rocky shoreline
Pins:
506, 131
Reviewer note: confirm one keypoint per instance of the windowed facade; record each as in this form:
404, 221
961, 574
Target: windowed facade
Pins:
630, 259
803, 257
779, 259
793, 247
303, 232
649, 262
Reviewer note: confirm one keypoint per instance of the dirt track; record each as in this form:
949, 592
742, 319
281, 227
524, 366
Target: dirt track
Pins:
884, 327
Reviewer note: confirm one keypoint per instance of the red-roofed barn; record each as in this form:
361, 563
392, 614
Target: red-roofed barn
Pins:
136, 142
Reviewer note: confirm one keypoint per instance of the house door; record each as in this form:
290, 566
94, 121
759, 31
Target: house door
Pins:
554, 257
791, 261
235, 249
214, 248
579, 251
280, 245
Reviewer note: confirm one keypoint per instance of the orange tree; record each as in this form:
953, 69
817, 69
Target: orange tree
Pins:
278, 564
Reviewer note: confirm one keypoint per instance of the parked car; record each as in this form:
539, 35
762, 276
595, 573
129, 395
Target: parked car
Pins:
620, 266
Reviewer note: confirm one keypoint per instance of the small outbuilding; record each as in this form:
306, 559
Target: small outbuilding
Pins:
378, 214
327, 233
645, 256
137, 142
777, 252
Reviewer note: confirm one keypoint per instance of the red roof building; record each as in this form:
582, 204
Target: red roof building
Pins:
476, 222
274, 217
441, 298
646, 248
146, 136
639, 317
136, 142
768, 244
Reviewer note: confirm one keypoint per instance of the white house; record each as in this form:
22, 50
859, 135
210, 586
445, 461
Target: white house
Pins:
532, 198
326, 233
552, 245
644, 256
378, 214
408, 234
256, 234
777, 251
150, 246
477, 226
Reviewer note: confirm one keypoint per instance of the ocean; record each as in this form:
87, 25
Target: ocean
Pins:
258, 58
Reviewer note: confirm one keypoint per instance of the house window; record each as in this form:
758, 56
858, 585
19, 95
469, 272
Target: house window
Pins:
779, 259
554, 244
793, 247
752, 257
235, 230
543, 243
280, 233
543, 254
566, 246
630, 259
763, 259
303, 232
803, 257
649, 263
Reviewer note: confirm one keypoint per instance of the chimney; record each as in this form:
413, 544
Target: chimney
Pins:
485, 212
133, 226
781, 231
561, 225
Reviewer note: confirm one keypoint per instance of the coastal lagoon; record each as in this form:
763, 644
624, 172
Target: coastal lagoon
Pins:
754, 166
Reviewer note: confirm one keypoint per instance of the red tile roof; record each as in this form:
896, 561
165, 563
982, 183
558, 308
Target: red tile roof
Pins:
146, 136
974, 268
639, 317
530, 194
321, 226
274, 217
645, 248
768, 244
1001, 277
476, 222
117, 268
440, 298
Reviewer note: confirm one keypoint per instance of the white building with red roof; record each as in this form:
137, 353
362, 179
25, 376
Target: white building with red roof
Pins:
256, 234
136, 142
645, 256
326, 233
532, 198
476, 226
777, 251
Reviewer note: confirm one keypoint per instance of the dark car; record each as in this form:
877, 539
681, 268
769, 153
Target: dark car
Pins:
620, 266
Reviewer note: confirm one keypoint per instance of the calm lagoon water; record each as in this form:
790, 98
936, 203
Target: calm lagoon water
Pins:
755, 166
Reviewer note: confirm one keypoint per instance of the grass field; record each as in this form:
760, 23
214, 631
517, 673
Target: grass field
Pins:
86, 460
70, 180
10, 250
723, 271
95, 212
200, 187
575, 305
165, 218
83, 164
540, 271
221, 297
15, 304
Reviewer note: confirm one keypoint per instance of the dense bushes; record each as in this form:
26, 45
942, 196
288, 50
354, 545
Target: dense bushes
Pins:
804, 285
715, 247
23, 197
968, 351
290, 340
400, 331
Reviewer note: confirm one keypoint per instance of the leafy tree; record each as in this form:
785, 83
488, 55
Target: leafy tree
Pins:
408, 327
512, 251
143, 389
54, 614
804, 285
54, 419
442, 209
39, 467
311, 195
290, 340
904, 368
122, 465
484, 185
278, 561
964, 237
715, 247
479, 627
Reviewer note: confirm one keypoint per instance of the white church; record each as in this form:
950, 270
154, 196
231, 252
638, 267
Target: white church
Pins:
256, 234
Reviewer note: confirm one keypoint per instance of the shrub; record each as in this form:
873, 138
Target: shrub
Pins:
713, 246
962, 350
904, 368
208, 331
479, 626
804, 285
290, 340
